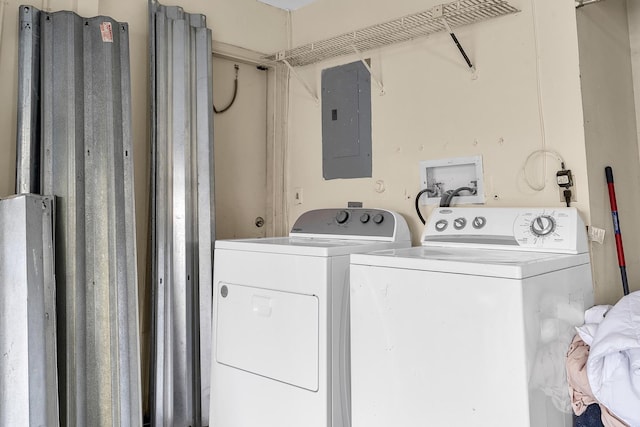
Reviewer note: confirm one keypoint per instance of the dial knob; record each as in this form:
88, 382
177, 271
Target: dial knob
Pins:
342, 217
364, 218
459, 223
378, 218
479, 222
441, 225
543, 225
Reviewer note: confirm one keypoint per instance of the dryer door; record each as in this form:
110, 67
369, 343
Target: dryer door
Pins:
270, 333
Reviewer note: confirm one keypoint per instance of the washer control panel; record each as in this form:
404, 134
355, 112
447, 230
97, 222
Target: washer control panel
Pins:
351, 223
536, 229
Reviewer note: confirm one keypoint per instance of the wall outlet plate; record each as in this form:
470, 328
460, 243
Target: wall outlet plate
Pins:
574, 192
449, 174
297, 196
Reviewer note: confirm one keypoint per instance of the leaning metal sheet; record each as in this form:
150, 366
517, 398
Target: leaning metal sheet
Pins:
28, 142
182, 215
28, 373
87, 164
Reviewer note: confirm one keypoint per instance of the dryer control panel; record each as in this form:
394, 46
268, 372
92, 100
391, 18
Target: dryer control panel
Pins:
352, 223
535, 229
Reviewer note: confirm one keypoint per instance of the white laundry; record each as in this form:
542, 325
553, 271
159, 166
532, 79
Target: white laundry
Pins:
592, 318
597, 313
613, 367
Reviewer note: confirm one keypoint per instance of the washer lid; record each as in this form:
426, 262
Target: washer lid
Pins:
309, 246
491, 263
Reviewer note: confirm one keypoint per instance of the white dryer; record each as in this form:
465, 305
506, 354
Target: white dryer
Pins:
280, 331
472, 327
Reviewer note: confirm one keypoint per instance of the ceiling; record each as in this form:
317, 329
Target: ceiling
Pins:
287, 4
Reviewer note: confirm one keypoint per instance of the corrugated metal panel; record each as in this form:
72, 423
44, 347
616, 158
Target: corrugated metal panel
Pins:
87, 164
28, 374
182, 215
28, 138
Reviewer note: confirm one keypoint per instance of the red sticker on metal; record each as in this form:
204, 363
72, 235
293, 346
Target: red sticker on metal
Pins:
107, 32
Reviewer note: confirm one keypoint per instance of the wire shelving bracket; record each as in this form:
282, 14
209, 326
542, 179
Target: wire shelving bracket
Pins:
454, 14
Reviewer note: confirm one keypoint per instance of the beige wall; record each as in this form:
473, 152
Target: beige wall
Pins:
633, 7
240, 136
611, 139
434, 109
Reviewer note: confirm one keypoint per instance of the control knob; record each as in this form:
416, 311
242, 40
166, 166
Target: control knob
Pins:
479, 222
378, 218
441, 225
342, 217
459, 223
543, 225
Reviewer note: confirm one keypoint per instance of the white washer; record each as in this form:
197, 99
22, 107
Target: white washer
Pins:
280, 332
471, 328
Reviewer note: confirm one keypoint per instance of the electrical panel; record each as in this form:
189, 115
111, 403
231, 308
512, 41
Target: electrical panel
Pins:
346, 122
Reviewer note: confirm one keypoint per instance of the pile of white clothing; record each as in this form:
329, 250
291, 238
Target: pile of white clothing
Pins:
613, 364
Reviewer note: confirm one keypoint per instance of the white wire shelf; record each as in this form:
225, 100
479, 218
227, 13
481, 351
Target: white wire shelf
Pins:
422, 24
